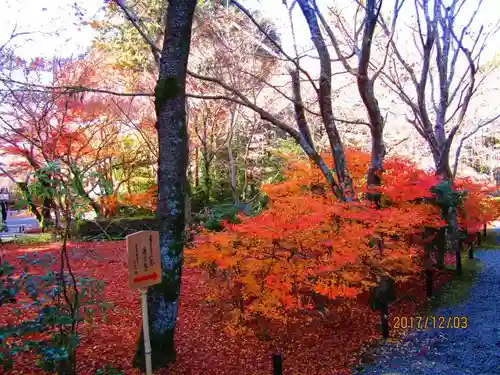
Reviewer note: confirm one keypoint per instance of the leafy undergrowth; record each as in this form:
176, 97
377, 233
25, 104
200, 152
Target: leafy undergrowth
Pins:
329, 345
492, 239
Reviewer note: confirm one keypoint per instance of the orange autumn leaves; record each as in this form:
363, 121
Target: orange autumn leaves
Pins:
146, 200
477, 208
307, 243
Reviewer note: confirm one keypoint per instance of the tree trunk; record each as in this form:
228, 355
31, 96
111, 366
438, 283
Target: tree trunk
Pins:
444, 171
232, 174
196, 167
207, 178
428, 282
48, 204
277, 364
325, 103
232, 161
367, 93
470, 251
374, 172
384, 319
170, 105
428, 264
440, 244
454, 240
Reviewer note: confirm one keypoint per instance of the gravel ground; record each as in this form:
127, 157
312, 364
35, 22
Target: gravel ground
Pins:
475, 350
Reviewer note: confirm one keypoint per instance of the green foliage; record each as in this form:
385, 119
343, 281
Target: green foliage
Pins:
122, 39
457, 291
131, 211
58, 310
214, 216
109, 370
40, 238
492, 240
290, 147
141, 184
447, 197
48, 183
274, 165
103, 183
44, 187
112, 229
219, 188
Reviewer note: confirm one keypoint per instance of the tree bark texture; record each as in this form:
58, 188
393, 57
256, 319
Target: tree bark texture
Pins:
170, 105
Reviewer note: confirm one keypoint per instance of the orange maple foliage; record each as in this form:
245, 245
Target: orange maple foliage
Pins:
110, 204
145, 200
307, 243
478, 207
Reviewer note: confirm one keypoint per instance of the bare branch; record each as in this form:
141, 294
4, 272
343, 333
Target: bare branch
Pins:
466, 137
300, 116
71, 89
280, 49
132, 17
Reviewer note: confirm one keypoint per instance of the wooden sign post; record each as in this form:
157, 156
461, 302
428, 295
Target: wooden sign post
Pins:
144, 270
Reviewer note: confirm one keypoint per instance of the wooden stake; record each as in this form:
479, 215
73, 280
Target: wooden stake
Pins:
277, 364
145, 328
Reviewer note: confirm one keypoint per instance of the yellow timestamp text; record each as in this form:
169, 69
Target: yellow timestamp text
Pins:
425, 322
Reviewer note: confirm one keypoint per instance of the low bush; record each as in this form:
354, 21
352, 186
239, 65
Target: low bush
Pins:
49, 305
41, 238
112, 228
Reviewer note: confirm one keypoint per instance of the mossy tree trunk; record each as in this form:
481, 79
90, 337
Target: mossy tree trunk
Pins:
170, 104
440, 245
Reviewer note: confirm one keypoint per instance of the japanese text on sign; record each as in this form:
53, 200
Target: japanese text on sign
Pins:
143, 250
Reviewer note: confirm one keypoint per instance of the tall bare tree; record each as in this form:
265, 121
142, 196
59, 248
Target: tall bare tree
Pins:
439, 82
359, 38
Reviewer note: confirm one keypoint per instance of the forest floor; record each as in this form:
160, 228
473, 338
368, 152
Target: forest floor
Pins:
327, 346
473, 348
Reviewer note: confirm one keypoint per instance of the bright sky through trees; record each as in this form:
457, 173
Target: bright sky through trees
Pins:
55, 24
59, 30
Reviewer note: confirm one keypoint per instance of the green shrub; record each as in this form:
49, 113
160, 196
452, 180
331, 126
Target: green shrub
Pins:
109, 370
129, 211
41, 238
56, 316
212, 217
113, 228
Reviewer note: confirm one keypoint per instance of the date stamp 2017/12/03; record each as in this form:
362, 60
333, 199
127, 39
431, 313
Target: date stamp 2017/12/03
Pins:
425, 322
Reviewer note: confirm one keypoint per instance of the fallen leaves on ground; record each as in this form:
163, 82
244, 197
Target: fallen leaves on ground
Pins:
328, 345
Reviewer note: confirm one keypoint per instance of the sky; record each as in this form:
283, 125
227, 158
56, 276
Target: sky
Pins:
55, 26
58, 30
275, 10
